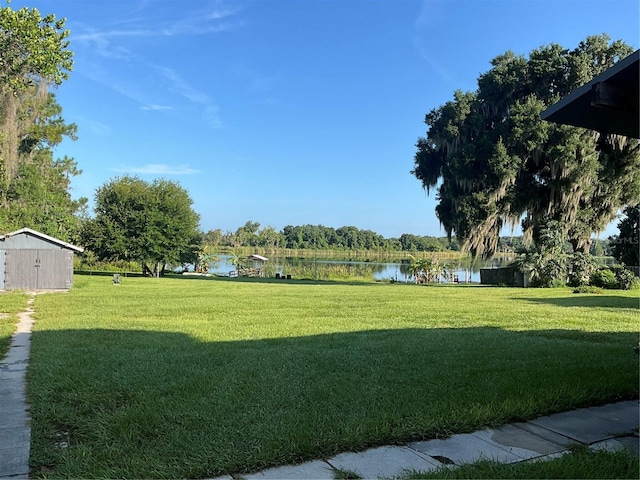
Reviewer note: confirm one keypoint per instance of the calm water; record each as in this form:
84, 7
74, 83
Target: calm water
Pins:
379, 270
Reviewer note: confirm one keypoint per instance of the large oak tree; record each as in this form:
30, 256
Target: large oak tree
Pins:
150, 223
494, 162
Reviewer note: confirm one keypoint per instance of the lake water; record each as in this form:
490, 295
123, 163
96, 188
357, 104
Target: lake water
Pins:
314, 268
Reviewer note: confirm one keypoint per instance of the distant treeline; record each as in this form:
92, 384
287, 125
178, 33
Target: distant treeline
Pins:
324, 238
319, 237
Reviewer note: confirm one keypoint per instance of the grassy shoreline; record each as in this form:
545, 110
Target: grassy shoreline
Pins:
344, 254
197, 378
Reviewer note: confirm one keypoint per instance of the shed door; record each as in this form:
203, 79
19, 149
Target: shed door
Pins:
53, 269
38, 269
20, 269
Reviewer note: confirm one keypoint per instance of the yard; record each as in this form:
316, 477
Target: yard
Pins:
197, 378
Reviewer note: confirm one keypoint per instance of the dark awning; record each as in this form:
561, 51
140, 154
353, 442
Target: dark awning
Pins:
608, 103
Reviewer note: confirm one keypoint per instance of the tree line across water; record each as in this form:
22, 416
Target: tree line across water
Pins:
319, 237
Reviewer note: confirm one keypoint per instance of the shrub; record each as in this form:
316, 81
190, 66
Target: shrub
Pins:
625, 279
554, 273
545, 268
604, 278
584, 266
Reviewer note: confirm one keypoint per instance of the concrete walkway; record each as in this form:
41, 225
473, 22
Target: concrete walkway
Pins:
15, 432
611, 427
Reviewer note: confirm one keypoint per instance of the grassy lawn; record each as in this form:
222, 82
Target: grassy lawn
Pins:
11, 303
197, 378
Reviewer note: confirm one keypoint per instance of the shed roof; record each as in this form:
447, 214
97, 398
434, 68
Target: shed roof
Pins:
44, 237
608, 103
257, 257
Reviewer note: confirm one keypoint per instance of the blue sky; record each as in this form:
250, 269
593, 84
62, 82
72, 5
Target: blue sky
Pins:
291, 112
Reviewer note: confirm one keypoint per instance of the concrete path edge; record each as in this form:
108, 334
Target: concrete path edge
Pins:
15, 420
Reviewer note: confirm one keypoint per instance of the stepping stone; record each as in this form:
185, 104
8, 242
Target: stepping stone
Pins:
316, 469
582, 427
383, 462
625, 413
15, 437
12, 414
15, 462
545, 434
629, 443
519, 442
465, 448
611, 445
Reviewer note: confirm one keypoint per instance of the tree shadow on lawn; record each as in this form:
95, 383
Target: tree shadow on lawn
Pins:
589, 300
133, 403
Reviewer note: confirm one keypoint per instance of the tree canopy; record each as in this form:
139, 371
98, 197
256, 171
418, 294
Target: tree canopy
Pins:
495, 162
34, 187
626, 246
150, 223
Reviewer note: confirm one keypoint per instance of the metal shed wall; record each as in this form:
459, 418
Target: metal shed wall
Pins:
25, 241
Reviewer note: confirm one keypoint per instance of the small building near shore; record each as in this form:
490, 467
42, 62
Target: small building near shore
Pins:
32, 260
255, 266
507, 276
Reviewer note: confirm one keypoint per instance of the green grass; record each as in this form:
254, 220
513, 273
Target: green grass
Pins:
582, 463
197, 378
11, 303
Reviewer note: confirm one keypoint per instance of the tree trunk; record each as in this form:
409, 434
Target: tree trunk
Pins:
146, 270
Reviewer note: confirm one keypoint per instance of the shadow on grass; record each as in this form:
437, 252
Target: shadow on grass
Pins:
589, 300
134, 403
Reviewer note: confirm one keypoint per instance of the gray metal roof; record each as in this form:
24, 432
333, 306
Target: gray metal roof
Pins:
608, 103
44, 237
